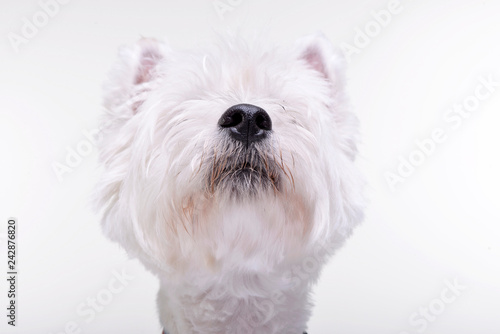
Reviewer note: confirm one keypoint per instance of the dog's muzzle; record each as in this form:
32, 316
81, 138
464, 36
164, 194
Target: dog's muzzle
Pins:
243, 162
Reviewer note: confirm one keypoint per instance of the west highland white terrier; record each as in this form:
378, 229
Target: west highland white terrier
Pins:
230, 174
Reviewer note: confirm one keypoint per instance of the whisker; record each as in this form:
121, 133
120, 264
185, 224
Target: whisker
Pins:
291, 176
212, 186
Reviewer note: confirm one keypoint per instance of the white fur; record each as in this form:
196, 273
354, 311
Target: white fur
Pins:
229, 264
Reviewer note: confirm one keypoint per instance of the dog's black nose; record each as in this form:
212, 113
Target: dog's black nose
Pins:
246, 123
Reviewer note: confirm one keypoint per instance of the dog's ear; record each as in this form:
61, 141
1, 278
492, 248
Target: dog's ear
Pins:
320, 54
133, 75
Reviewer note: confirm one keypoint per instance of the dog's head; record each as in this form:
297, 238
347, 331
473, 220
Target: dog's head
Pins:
239, 151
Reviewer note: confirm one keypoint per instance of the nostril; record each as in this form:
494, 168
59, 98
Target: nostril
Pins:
263, 122
231, 119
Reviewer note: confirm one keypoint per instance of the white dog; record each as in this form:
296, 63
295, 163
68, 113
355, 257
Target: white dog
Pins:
230, 174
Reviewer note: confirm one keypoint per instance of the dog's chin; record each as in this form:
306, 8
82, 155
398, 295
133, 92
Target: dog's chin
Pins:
248, 181
237, 178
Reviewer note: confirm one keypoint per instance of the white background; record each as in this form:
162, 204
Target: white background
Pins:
442, 224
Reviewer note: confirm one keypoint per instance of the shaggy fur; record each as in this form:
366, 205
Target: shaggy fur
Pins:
236, 235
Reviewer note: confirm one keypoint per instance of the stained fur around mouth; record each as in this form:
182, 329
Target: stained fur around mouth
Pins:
240, 170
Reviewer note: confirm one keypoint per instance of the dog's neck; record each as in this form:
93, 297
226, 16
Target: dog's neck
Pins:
238, 304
